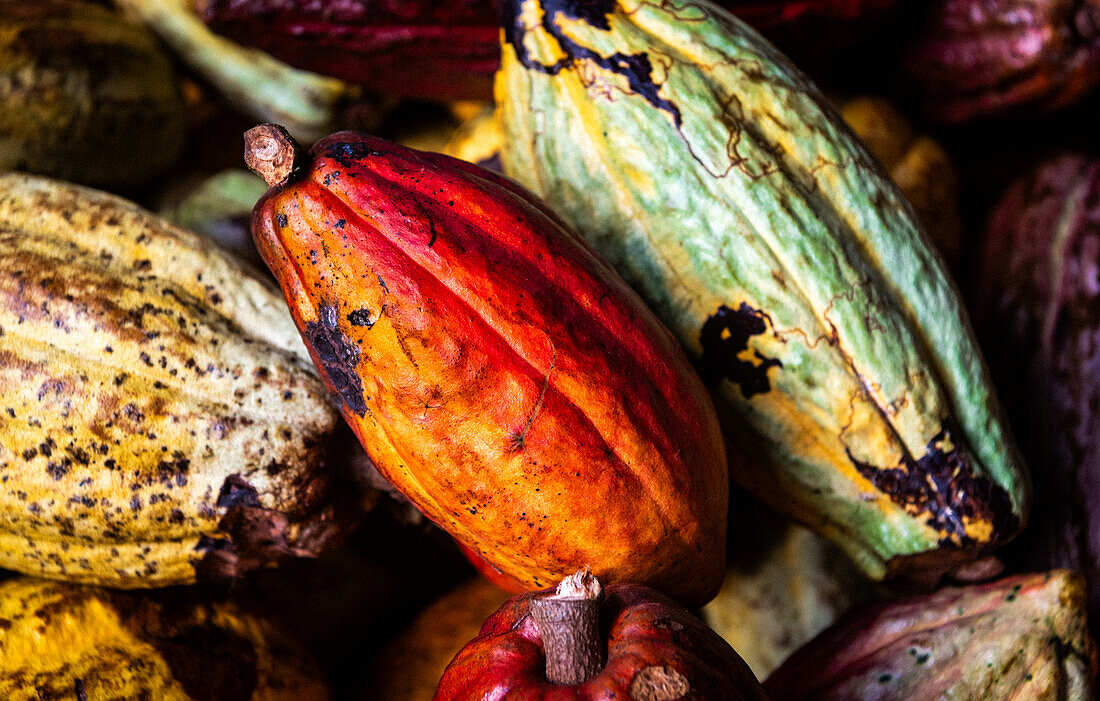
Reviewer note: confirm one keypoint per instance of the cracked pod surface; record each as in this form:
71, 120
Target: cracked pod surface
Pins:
715, 178
499, 373
159, 421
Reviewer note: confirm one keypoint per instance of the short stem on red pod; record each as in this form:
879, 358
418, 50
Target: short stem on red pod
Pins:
273, 154
568, 621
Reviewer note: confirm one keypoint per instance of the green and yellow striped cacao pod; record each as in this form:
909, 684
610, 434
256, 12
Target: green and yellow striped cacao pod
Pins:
85, 95
61, 641
714, 176
159, 418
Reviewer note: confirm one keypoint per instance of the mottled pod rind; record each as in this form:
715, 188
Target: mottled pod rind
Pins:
157, 414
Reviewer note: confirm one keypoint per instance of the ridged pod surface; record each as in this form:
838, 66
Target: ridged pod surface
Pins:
714, 177
85, 95
499, 373
1037, 306
61, 641
1020, 638
158, 421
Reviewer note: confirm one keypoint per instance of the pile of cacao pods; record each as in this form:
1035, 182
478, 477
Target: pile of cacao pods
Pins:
551, 349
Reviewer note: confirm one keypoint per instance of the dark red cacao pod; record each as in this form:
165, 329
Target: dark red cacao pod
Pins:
974, 59
1021, 637
438, 50
1038, 303
450, 50
650, 640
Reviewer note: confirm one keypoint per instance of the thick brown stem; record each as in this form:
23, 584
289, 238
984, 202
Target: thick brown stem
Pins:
273, 154
569, 624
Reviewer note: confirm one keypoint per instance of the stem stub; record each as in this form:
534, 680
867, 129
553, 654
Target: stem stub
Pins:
273, 154
568, 622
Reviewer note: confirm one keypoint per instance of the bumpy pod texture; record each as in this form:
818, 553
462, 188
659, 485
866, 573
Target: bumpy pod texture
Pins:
158, 421
499, 373
713, 176
1022, 637
61, 641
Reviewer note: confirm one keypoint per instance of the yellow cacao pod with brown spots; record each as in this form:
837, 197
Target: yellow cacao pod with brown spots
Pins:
158, 419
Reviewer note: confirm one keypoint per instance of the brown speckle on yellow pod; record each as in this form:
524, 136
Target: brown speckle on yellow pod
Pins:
143, 370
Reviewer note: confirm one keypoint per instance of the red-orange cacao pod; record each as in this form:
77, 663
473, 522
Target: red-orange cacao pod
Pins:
497, 371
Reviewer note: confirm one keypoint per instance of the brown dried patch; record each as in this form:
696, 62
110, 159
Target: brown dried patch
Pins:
659, 684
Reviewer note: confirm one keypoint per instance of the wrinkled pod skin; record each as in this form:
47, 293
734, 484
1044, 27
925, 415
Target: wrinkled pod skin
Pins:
159, 419
975, 59
1037, 302
62, 641
497, 372
655, 651
715, 178
1019, 638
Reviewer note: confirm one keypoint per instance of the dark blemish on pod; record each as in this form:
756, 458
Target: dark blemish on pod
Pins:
57, 470
340, 223
236, 491
338, 357
361, 317
78, 689
724, 337
943, 485
636, 68
346, 153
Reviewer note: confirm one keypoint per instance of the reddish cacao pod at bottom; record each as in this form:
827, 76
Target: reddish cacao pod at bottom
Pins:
1021, 637
497, 371
1037, 303
654, 649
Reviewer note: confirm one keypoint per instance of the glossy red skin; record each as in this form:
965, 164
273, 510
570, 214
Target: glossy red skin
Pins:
450, 50
642, 628
977, 59
506, 380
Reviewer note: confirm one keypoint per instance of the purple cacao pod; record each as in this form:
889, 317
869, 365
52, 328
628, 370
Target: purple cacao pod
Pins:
1039, 305
985, 58
1022, 637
